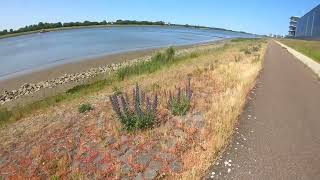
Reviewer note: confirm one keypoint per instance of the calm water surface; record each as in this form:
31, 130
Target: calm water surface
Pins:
25, 53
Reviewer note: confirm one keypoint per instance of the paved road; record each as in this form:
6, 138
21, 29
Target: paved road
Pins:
278, 136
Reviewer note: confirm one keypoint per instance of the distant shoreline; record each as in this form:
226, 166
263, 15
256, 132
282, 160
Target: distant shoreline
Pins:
105, 26
65, 28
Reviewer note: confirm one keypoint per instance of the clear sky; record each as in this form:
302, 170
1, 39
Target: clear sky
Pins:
255, 16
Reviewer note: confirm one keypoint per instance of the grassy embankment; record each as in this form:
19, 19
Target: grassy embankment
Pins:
16, 113
222, 78
308, 48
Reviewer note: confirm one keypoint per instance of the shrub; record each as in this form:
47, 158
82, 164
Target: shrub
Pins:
256, 58
85, 108
4, 115
169, 53
116, 90
136, 115
256, 48
157, 61
237, 58
179, 104
247, 51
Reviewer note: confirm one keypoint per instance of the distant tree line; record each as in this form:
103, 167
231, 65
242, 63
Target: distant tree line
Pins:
44, 25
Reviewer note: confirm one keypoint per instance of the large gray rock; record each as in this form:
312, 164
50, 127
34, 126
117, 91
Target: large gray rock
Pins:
143, 158
152, 170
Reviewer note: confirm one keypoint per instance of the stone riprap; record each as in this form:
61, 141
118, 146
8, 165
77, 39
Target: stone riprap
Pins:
72, 145
30, 88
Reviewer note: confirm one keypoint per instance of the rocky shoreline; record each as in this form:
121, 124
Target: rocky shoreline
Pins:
30, 88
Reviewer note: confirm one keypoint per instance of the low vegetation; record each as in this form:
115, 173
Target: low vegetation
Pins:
138, 114
159, 60
309, 48
85, 108
179, 104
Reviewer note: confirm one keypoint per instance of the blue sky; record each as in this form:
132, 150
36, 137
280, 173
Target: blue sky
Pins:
256, 16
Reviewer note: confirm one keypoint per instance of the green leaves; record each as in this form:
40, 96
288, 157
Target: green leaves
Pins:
138, 114
85, 108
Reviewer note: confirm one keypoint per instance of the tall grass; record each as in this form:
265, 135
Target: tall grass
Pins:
156, 62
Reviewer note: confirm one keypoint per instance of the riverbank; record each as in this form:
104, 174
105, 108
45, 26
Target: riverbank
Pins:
34, 86
60, 142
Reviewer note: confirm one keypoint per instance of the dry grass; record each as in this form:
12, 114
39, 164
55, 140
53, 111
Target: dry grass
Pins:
220, 84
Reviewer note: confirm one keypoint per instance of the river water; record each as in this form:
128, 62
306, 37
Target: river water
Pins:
25, 53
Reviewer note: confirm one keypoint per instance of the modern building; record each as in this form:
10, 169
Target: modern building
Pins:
308, 26
293, 26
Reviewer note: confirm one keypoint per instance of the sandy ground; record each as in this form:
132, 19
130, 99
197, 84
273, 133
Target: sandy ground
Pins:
278, 133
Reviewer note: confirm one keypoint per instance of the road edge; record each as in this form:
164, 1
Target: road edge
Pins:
314, 66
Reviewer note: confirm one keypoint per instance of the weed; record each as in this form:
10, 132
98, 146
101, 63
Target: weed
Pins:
256, 48
256, 58
247, 51
85, 108
116, 90
138, 115
194, 55
4, 115
179, 105
155, 87
54, 178
237, 58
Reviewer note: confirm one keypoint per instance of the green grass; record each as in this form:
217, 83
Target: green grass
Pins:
180, 107
308, 48
157, 61
243, 39
85, 108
